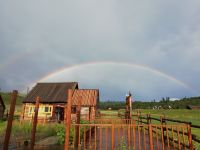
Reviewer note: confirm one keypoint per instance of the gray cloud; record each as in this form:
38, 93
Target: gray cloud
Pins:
38, 37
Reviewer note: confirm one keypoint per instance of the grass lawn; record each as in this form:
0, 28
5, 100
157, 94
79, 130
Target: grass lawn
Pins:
179, 114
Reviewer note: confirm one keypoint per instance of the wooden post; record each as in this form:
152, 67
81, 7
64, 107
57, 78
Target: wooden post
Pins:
89, 113
150, 137
128, 113
34, 123
78, 118
148, 119
138, 116
190, 137
68, 118
22, 116
10, 120
113, 137
163, 122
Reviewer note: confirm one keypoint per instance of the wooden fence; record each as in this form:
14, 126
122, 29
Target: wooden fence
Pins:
156, 119
129, 136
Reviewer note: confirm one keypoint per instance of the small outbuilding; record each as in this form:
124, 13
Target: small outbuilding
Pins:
2, 107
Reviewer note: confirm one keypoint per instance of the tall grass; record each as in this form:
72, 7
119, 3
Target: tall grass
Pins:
46, 130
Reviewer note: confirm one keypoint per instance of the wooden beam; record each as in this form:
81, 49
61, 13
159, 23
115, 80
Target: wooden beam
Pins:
68, 118
34, 123
78, 119
10, 120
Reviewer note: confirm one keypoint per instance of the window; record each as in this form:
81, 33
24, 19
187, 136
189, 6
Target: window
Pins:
46, 109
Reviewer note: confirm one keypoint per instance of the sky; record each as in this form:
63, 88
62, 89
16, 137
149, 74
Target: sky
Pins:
150, 48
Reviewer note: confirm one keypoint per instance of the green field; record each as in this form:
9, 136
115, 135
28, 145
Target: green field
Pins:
178, 114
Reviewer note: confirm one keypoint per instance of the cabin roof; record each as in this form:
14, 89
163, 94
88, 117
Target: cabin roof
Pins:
50, 92
88, 97
1, 102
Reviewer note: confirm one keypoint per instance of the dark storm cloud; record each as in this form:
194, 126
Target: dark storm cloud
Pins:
38, 37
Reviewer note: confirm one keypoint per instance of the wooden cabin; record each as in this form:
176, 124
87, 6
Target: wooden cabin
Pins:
2, 107
54, 101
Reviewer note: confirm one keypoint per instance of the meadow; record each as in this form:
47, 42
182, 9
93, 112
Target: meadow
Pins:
179, 114
188, 115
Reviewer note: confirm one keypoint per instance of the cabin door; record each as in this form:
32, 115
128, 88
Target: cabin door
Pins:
59, 113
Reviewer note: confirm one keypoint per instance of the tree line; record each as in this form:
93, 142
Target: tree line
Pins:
165, 103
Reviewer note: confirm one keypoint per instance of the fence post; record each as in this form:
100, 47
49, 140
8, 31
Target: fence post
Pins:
34, 123
190, 136
68, 118
10, 119
113, 137
138, 116
150, 137
22, 116
163, 122
148, 119
78, 118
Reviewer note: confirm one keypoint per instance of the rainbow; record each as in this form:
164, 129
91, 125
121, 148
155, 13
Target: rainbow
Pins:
132, 65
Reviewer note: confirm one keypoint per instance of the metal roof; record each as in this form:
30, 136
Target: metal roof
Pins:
50, 92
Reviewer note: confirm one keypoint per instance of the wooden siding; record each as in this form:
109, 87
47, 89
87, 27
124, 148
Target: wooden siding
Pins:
43, 112
89, 97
